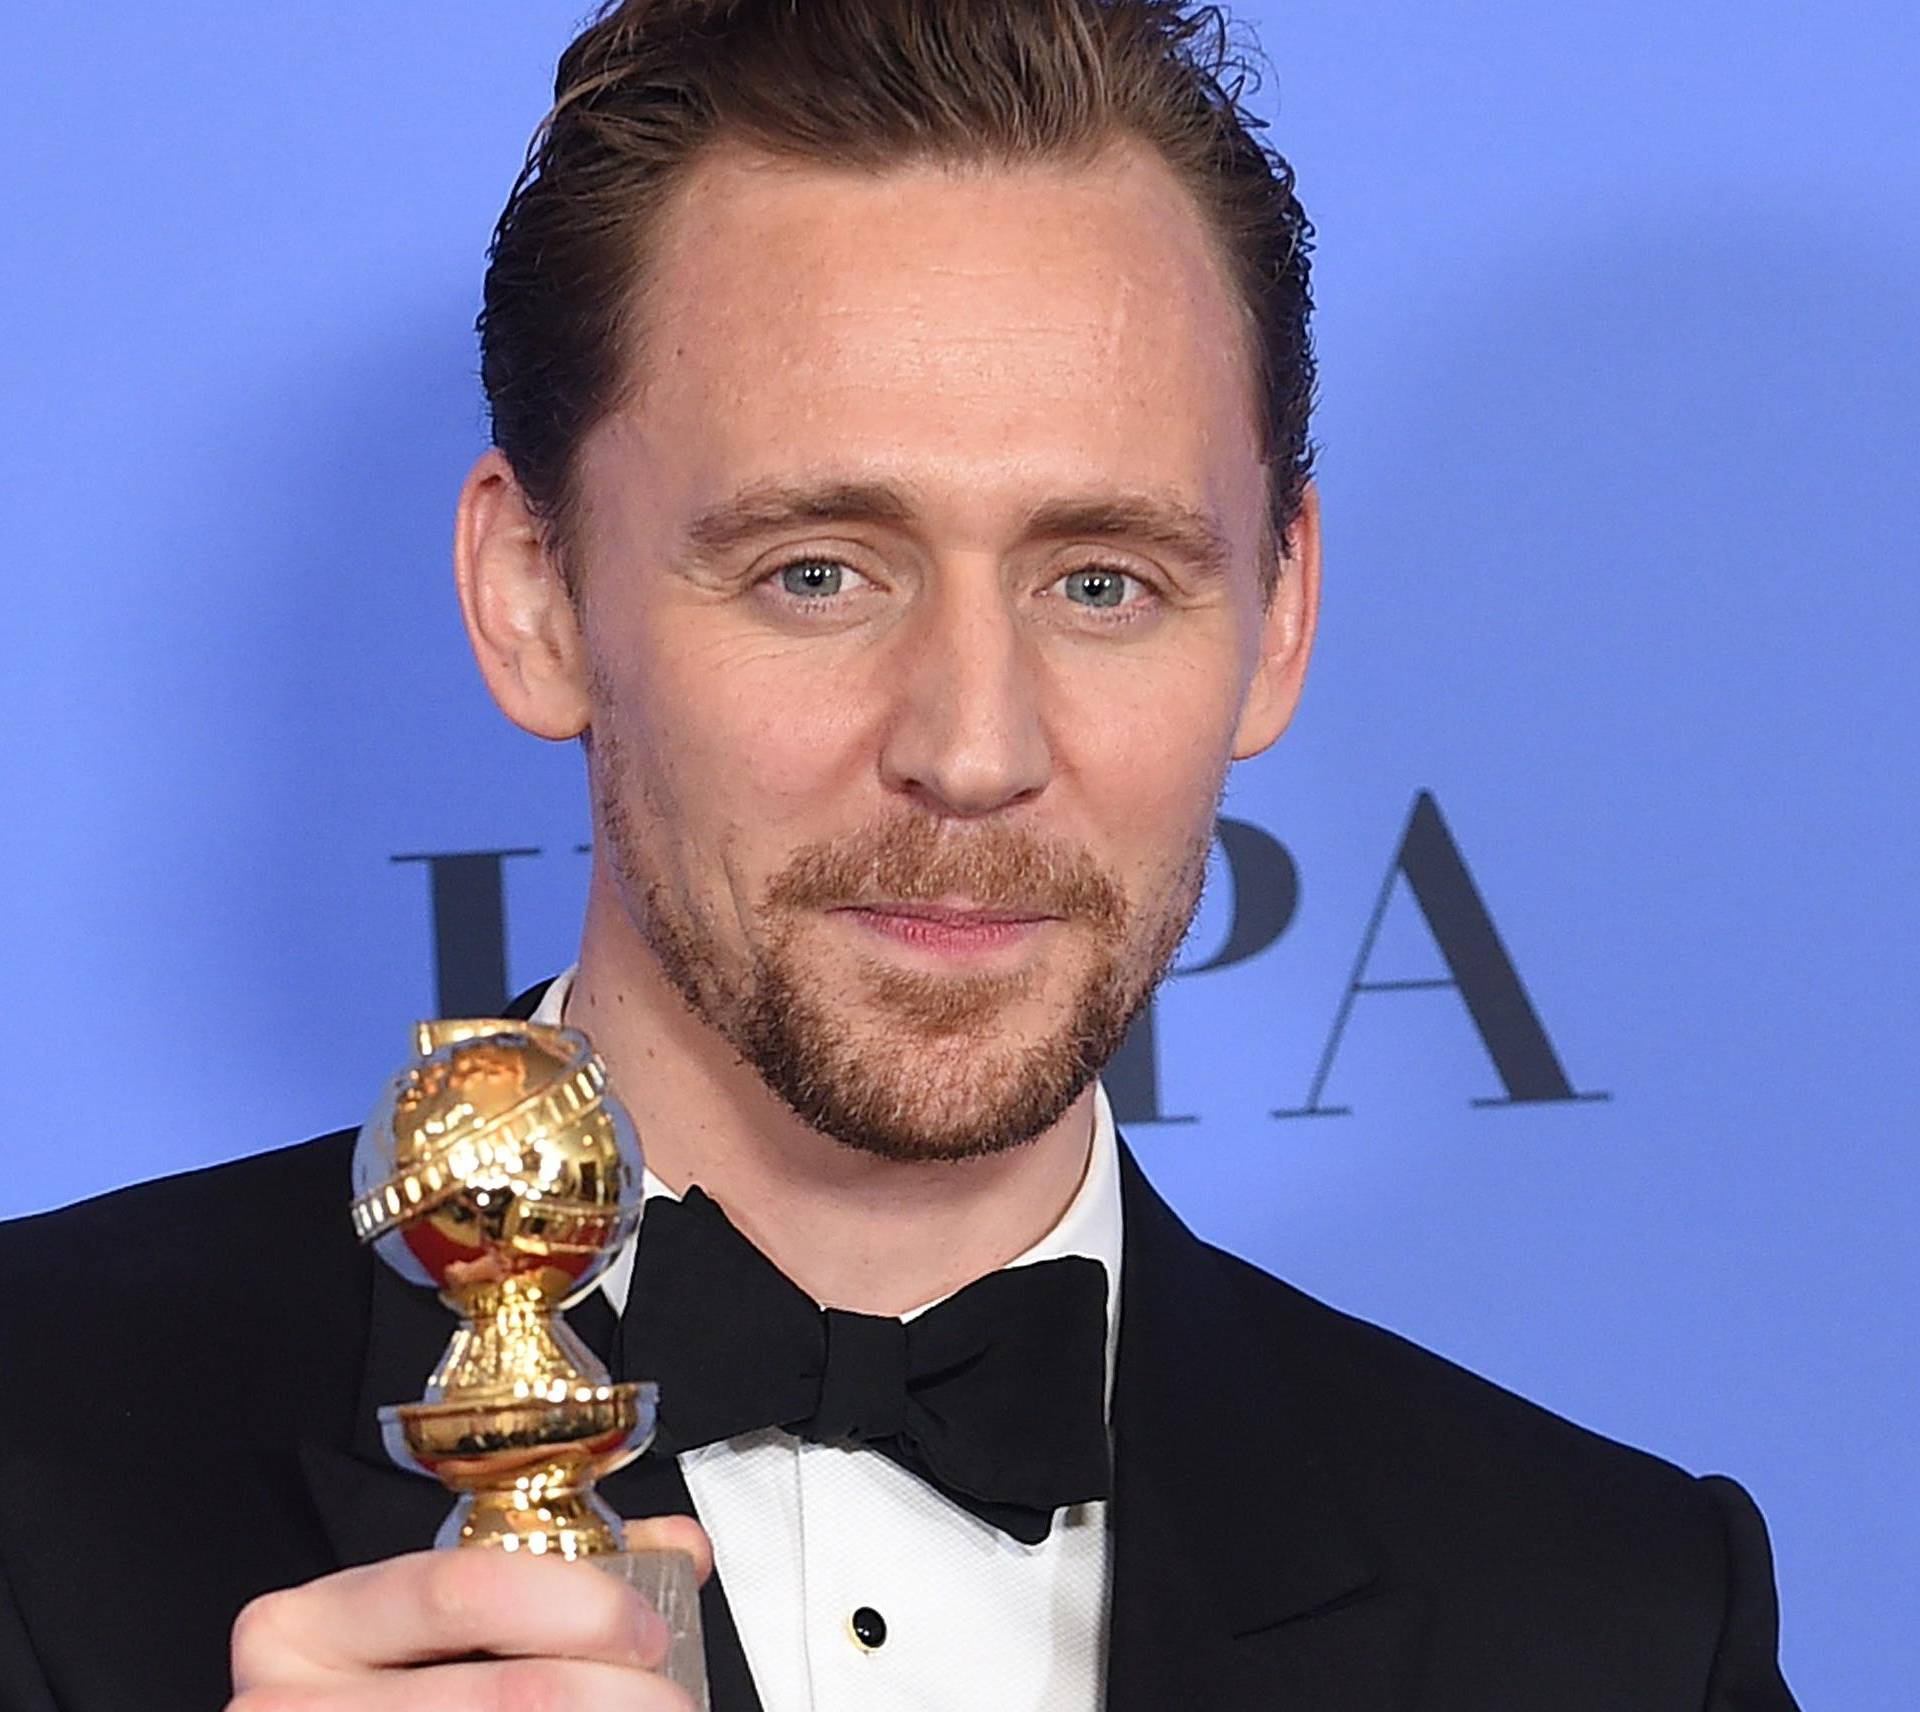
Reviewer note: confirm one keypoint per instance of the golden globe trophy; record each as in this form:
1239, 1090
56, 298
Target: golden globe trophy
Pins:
499, 1169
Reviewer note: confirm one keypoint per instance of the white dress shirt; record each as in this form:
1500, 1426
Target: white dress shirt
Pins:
806, 1536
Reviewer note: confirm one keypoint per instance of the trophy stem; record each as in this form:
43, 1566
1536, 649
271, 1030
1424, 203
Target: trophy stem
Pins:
548, 1512
510, 1334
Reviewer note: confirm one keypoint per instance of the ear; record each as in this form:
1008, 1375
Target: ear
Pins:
519, 615
1286, 635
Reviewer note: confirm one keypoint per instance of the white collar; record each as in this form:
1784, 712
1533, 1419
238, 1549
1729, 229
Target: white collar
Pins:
1090, 1226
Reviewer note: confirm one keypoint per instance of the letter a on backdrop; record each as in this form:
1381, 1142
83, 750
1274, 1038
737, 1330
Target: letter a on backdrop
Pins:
1478, 968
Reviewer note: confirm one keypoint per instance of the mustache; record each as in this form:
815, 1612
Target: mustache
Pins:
916, 860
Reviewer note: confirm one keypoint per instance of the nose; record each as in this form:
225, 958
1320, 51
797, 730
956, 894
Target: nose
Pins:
966, 735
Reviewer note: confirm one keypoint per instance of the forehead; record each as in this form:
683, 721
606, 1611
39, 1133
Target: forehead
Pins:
1042, 324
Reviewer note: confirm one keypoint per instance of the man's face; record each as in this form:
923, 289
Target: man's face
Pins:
921, 595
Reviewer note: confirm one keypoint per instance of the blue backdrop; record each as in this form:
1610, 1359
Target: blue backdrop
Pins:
1618, 310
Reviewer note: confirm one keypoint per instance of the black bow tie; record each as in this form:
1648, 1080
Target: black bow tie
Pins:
996, 1397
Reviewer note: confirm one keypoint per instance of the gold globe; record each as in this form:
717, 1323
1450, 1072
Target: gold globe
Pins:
498, 1153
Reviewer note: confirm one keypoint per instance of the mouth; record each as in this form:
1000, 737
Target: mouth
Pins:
949, 928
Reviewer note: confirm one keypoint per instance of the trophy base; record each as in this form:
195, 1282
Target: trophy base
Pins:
665, 1579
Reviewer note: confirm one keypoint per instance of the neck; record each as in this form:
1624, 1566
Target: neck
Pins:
852, 1230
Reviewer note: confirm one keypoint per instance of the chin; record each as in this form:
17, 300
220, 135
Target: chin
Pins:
899, 1123
946, 1068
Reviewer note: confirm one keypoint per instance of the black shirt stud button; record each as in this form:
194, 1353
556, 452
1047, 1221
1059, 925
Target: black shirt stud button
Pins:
869, 1628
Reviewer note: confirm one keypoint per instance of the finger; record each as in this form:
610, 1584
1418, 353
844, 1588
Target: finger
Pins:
673, 1533
480, 1687
444, 1605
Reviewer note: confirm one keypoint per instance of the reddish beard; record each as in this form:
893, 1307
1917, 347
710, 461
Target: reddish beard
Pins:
907, 1064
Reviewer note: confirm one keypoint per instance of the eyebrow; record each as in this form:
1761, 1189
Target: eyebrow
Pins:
1148, 519
766, 506
1168, 524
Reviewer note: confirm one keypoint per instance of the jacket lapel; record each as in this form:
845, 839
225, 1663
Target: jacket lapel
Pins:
1239, 1579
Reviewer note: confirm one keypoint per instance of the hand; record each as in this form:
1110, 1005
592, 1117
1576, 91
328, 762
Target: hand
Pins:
463, 1631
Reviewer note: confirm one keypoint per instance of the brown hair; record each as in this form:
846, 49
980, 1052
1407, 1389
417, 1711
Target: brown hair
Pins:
866, 84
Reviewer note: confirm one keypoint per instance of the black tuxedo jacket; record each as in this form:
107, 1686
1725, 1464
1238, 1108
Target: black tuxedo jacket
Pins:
1309, 1513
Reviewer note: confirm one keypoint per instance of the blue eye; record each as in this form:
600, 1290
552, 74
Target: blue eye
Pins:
1096, 586
813, 578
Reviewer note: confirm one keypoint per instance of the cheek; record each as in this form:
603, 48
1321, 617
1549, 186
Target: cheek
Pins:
745, 738
795, 745
1146, 743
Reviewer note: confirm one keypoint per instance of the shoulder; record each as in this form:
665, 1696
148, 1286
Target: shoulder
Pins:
176, 1231
1404, 1389
1370, 1394
188, 1282
1437, 1455
1577, 1552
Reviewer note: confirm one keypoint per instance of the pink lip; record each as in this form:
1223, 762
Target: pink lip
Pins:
937, 927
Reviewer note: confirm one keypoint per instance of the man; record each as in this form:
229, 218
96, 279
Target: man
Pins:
900, 484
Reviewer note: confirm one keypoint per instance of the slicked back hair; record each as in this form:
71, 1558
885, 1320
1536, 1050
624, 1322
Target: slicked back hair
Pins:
650, 85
